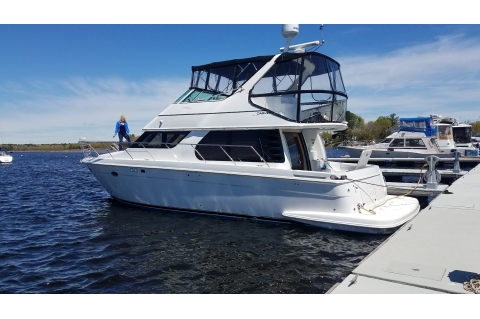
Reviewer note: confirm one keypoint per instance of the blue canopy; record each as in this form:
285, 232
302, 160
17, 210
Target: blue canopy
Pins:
418, 124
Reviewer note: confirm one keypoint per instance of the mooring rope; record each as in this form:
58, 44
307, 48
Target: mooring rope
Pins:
372, 211
473, 285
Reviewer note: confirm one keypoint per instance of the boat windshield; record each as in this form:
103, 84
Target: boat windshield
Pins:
217, 81
462, 134
445, 132
303, 87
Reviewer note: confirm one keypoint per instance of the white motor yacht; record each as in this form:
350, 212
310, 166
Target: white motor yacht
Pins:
244, 140
462, 135
5, 157
420, 137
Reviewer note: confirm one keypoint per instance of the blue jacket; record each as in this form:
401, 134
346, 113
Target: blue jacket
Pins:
117, 127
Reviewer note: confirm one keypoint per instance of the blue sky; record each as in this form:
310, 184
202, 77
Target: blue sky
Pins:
68, 76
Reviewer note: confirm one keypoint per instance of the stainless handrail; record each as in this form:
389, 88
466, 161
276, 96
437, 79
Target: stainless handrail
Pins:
87, 149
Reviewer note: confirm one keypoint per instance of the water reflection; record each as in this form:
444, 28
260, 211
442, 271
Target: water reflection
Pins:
178, 252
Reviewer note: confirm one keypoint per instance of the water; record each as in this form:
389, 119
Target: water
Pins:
62, 233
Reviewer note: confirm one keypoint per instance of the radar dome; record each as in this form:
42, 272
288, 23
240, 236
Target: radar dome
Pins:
289, 31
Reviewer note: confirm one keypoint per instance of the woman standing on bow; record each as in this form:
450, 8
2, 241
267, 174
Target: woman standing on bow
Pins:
121, 128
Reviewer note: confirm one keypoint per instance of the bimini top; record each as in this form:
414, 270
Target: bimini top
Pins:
298, 87
418, 124
238, 71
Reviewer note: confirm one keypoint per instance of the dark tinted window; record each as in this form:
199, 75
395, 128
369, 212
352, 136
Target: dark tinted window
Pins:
387, 140
398, 142
462, 134
244, 146
159, 139
414, 143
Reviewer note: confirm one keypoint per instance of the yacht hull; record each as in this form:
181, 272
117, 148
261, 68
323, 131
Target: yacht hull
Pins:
6, 159
384, 219
274, 197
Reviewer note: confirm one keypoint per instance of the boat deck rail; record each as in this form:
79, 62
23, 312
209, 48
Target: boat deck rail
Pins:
111, 148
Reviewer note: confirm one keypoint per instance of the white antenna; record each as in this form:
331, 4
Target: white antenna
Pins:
323, 40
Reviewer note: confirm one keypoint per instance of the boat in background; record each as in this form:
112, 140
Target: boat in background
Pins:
462, 133
245, 140
476, 140
5, 157
419, 137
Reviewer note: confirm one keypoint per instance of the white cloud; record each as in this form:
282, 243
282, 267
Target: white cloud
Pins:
442, 77
61, 111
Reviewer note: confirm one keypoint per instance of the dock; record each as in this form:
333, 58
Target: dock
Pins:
471, 161
447, 176
414, 189
437, 252
448, 173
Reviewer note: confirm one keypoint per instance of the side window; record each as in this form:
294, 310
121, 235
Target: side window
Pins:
398, 142
243, 146
414, 143
159, 139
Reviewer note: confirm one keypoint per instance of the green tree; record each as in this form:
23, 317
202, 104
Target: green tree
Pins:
354, 121
383, 127
475, 127
355, 124
327, 137
394, 119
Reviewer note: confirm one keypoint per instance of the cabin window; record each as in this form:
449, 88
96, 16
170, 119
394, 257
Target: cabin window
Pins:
159, 139
462, 134
197, 95
387, 140
445, 132
414, 143
243, 146
398, 142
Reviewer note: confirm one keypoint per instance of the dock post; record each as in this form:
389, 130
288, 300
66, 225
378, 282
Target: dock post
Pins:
456, 165
432, 175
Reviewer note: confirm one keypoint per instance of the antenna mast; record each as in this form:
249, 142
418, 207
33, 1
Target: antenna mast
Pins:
323, 39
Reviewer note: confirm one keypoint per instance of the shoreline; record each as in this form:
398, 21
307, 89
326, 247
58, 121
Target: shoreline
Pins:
40, 151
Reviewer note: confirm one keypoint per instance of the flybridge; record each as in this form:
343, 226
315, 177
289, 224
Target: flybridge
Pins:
301, 87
